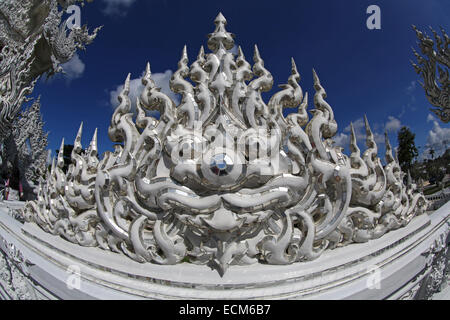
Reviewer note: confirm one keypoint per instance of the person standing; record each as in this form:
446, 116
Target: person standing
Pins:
7, 189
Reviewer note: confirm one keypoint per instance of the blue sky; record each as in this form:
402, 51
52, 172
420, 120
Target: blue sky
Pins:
363, 71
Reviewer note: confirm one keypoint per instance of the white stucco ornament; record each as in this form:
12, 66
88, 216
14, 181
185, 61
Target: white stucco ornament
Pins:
224, 178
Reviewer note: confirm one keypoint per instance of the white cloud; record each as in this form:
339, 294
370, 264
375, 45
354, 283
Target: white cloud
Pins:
234, 50
438, 139
412, 86
393, 124
411, 98
136, 88
430, 118
342, 140
360, 131
74, 68
117, 7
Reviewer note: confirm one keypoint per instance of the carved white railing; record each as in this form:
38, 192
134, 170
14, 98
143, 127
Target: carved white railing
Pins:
407, 263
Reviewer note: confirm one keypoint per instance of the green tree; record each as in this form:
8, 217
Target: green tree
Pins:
432, 153
407, 150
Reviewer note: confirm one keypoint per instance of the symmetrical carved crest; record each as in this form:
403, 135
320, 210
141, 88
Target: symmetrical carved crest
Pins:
224, 178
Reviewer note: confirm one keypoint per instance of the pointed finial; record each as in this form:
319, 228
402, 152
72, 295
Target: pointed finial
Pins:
60, 161
370, 141
127, 83
317, 85
147, 78
264, 81
124, 102
295, 76
148, 71
93, 144
353, 141
220, 35
126, 88
388, 154
305, 99
220, 19
240, 53
352, 133
201, 54
80, 130
183, 62
366, 124
294, 66
77, 147
244, 71
256, 56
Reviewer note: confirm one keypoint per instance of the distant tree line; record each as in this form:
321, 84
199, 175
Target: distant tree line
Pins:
432, 170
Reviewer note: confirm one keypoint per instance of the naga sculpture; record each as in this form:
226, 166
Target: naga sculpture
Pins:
33, 41
223, 178
437, 86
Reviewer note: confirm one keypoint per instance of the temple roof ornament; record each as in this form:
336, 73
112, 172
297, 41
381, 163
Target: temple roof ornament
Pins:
223, 178
436, 86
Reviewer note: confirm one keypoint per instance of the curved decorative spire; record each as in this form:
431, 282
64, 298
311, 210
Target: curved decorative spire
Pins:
321, 104
358, 166
290, 97
115, 133
243, 73
244, 69
322, 124
389, 156
264, 81
197, 73
177, 83
147, 81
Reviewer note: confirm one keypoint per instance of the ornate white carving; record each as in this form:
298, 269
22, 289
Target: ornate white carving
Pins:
224, 178
14, 275
437, 86
33, 41
25, 149
437, 262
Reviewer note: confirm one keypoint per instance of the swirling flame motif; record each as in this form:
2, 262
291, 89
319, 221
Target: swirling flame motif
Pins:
224, 178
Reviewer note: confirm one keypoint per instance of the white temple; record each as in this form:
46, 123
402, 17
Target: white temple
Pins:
224, 196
